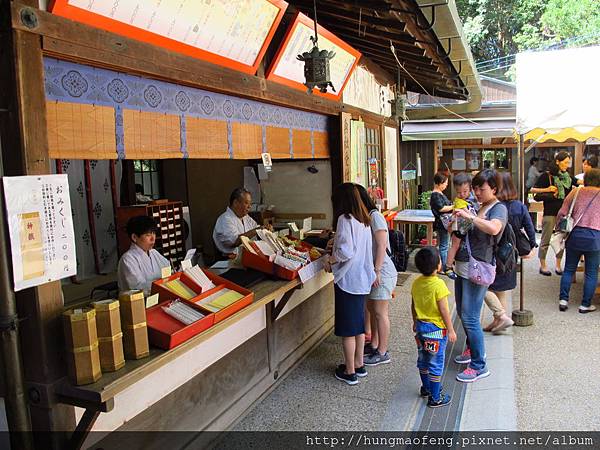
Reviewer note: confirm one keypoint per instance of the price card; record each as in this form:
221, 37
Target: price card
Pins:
152, 300
165, 272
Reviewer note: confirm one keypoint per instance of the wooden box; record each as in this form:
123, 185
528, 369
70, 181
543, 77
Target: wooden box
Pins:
81, 343
110, 336
133, 321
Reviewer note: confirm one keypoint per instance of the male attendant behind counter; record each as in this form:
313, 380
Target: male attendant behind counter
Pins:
234, 223
141, 264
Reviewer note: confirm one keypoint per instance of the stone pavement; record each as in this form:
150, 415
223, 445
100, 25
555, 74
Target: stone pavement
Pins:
311, 399
557, 359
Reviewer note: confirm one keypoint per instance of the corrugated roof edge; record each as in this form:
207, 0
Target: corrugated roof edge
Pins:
448, 25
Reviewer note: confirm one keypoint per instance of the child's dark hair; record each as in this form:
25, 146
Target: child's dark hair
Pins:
461, 178
139, 225
427, 260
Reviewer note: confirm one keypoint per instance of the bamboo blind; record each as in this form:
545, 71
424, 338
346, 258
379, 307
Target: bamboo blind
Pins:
321, 141
278, 142
80, 131
151, 135
247, 140
301, 144
206, 139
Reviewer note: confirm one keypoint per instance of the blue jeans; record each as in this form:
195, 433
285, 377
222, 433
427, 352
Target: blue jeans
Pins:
431, 345
443, 245
592, 260
469, 301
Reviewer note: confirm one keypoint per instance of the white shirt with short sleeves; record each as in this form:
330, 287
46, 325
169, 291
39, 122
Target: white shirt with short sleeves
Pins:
228, 229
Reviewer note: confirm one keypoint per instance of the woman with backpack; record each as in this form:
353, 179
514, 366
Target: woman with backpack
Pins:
552, 188
381, 293
498, 297
474, 267
583, 240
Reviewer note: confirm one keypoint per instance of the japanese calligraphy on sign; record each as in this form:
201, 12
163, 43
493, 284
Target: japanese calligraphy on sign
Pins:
41, 229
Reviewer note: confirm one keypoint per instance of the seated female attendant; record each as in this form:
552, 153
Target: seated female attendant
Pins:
141, 264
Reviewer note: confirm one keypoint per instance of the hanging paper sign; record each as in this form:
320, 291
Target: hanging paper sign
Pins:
40, 223
287, 69
267, 161
409, 175
232, 34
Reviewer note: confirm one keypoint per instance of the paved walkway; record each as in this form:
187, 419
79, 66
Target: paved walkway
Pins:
557, 359
310, 398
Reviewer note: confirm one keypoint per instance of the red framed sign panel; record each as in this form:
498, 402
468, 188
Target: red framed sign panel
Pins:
286, 69
234, 35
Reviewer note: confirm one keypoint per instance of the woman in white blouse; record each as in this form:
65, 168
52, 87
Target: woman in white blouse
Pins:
351, 261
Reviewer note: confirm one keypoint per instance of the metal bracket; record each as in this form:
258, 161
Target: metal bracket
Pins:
29, 18
444, 53
430, 24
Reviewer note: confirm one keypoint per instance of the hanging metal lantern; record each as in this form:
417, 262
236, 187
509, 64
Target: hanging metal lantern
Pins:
316, 69
316, 64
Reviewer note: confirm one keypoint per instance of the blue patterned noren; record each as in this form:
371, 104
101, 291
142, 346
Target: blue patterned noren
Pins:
182, 101
78, 83
117, 90
74, 83
152, 96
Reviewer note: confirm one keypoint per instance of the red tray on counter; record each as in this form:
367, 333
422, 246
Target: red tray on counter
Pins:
220, 283
262, 264
166, 332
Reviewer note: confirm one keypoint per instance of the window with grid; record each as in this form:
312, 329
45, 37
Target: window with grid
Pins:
373, 147
146, 173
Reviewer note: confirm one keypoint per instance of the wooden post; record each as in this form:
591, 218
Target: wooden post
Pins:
346, 122
25, 152
578, 157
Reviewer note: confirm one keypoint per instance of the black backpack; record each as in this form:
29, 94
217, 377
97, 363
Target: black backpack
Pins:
506, 251
398, 253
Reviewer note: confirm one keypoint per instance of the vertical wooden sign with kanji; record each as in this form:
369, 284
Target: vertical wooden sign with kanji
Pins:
41, 229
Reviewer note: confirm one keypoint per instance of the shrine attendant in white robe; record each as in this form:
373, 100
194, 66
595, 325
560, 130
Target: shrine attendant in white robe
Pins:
141, 264
234, 223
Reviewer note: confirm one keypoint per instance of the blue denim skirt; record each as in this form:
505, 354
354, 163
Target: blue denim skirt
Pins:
349, 313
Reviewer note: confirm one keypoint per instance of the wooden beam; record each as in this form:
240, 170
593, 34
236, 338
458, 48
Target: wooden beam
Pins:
73, 41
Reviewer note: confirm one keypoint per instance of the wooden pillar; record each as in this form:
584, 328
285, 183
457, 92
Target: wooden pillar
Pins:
578, 157
25, 152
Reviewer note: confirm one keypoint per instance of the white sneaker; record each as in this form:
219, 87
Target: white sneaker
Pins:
563, 305
586, 309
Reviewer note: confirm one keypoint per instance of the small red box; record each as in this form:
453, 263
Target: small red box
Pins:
221, 283
167, 332
262, 264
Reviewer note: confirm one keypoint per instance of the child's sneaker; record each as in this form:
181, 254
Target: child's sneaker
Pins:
464, 358
424, 392
341, 375
444, 400
377, 358
470, 375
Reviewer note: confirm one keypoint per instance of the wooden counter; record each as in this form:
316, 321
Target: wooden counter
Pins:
112, 383
194, 386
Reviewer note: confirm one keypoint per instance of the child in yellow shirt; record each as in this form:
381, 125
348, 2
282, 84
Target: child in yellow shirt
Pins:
432, 325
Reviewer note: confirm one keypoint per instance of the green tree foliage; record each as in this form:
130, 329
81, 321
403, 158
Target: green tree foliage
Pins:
497, 28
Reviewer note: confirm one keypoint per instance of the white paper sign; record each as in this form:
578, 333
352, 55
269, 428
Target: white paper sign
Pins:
307, 224
267, 161
310, 270
41, 229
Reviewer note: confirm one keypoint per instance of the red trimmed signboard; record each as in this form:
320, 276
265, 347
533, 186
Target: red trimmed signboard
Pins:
231, 34
286, 69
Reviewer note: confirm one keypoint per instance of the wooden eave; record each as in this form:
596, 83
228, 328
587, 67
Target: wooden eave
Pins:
371, 26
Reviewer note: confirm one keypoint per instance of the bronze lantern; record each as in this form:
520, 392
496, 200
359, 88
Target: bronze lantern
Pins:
316, 68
